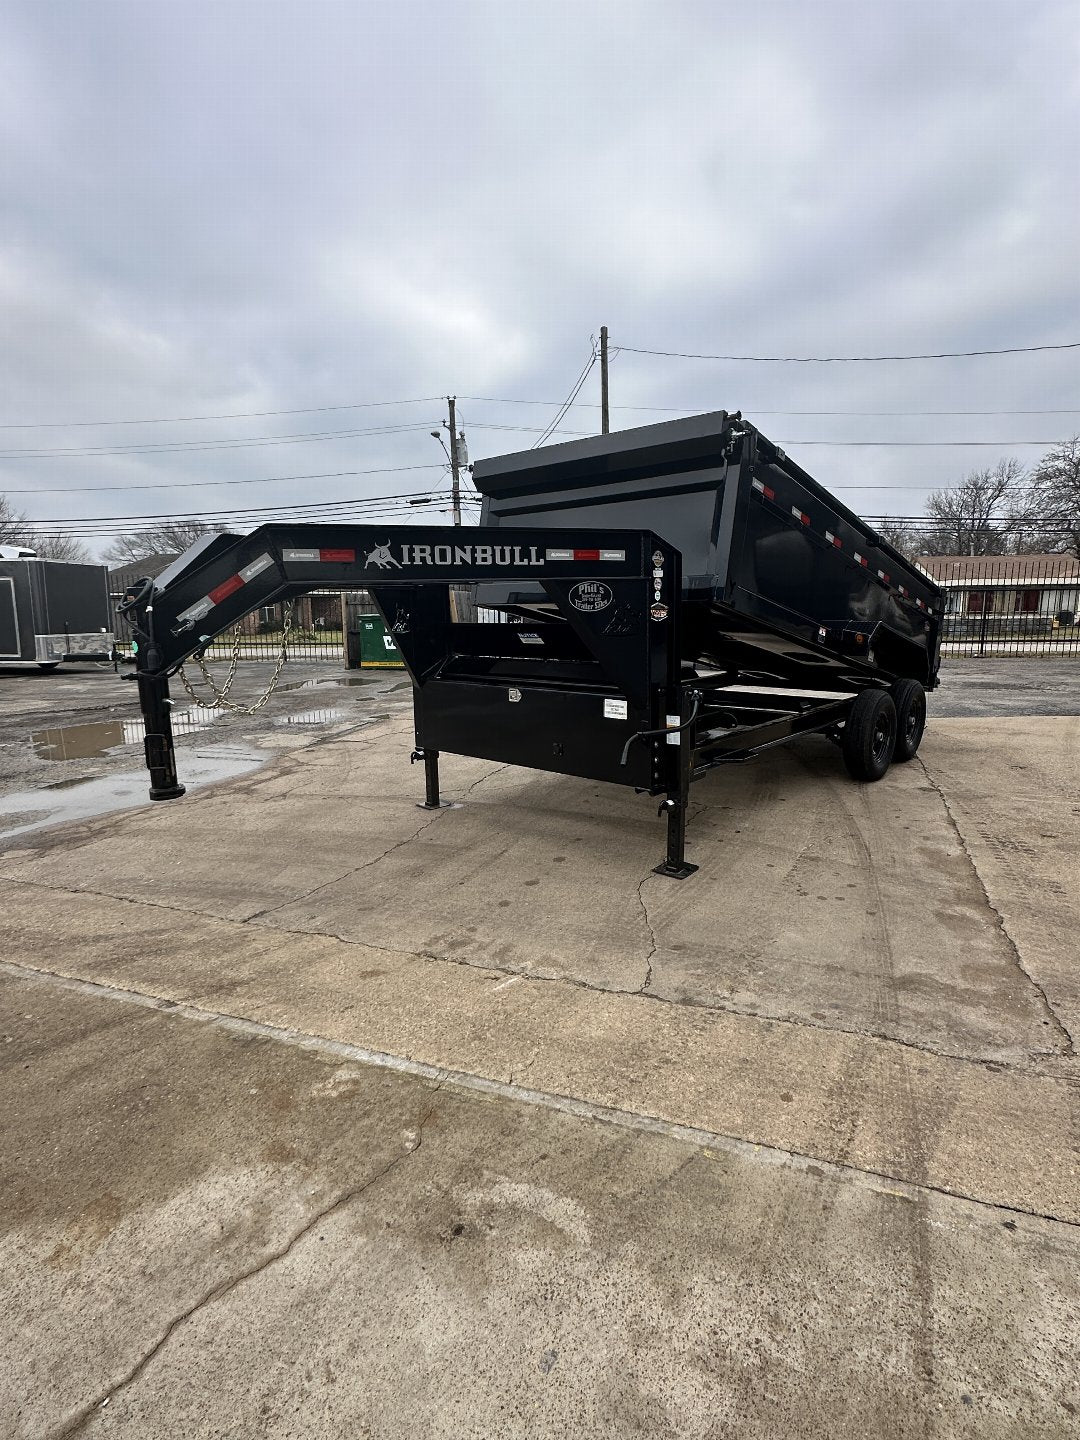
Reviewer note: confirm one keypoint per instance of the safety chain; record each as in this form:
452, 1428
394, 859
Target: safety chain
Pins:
221, 699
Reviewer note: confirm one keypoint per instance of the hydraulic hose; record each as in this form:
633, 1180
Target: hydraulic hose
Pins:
695, 695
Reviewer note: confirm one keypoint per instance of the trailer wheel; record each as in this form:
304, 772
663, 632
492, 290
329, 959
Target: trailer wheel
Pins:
869, 736
48, 665
909, 697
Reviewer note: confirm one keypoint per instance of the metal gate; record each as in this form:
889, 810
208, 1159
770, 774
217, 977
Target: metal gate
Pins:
1008, 605
317, 632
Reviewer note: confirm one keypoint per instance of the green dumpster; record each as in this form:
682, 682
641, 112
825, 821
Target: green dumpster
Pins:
377, 648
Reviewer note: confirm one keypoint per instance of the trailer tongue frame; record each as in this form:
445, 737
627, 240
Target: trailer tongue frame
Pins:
607, 662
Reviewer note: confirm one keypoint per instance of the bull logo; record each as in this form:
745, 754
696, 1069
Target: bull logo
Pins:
381, 558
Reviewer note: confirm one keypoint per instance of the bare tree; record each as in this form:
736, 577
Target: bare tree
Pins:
12, 524
1055, 493
58, 547
900, 536
15, 529
170, 537
982, 515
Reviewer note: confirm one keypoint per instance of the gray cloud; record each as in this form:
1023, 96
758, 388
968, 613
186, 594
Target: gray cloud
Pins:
238, 206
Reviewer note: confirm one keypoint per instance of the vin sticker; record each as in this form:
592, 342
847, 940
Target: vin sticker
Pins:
615, 710
590, 596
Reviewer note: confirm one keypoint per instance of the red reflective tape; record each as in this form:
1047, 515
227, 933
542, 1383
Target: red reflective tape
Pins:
769, 494
838, 542
226, 588
341, 556
586, 554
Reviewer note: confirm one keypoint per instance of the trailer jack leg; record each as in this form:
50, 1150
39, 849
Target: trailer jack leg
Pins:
160, 754
431, 799
675, 866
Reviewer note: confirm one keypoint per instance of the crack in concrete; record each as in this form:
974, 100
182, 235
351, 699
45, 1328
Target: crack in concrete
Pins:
489, 776
367, 864
1066, 1048
531, 977
345, 875
653, 942
748, 1149
77, 1423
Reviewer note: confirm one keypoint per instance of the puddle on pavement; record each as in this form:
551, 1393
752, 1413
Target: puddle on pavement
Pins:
98, 737
341, 681
86, 799
326, 716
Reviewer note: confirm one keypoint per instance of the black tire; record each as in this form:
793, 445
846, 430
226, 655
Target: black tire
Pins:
48, 665
909, 697
869, 736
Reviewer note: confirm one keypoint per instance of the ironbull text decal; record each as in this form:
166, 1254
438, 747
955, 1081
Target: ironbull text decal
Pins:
384, 558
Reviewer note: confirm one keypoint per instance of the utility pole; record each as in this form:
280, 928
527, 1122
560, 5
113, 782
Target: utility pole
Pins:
455, 466
605, 416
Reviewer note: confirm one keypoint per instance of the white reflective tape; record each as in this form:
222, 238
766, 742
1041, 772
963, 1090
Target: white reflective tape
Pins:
612, 554
796, 512
300, 554
758, 485
197, 611
558, 554
829, 536
256, 567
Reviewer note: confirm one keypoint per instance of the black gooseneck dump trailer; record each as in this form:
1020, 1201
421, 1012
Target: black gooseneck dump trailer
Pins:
667, 599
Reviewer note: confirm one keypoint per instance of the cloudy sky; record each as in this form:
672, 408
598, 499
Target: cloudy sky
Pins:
214, 209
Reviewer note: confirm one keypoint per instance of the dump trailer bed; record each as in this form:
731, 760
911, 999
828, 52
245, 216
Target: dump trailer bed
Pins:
662, 601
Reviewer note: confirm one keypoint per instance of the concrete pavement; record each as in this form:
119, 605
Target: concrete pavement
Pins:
791, 1148
222, 1234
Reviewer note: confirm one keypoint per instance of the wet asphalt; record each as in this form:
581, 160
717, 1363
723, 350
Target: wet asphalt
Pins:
1036, 685
81, 724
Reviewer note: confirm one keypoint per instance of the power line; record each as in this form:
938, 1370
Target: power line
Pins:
577, 404
534, 429
391, 515
244, 510
256, 442
233, 415
78, 452
574, 391
326, 508
849, 359
930, 444
756, 410
211, 484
